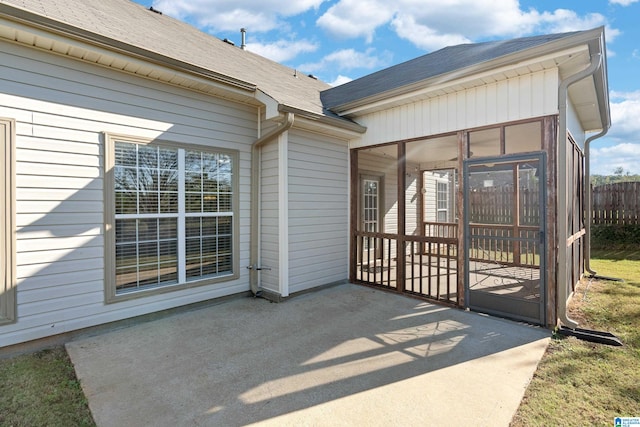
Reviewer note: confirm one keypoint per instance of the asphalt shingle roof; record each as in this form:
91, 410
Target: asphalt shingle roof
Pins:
431, 65
135, 25
132, 24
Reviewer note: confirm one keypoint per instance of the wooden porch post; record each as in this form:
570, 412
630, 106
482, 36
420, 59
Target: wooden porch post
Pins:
462, 154
402, 207
353, 214
420, 216
549, 138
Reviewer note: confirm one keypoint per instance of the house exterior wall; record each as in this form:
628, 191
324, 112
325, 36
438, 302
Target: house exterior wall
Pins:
269, 221
573, 125
412, 199
377, 165
62, 108
318, 177
517, 98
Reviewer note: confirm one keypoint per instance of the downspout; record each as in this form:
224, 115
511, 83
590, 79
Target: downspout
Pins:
254, 252
587, 199
563, 94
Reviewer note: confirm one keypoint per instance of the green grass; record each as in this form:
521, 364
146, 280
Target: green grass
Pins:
579, 383
41, 389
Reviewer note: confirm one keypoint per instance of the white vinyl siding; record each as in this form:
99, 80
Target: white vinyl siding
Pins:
62, 108
387, 168
270, 228
318, 210
574, 126
412, 228
517, 98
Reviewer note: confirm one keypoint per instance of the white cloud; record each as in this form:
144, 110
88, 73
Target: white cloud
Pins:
349, 59
622, 2
282, 50
432, 24
564, 20
623, 149
625, 111
422, 36
340, 80
356, 18
605, 160
231, 15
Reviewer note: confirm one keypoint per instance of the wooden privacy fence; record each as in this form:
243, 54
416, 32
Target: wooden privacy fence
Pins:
617, 203
495, 205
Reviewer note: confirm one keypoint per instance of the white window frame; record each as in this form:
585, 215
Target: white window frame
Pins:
8, 301
442, 198
111, 293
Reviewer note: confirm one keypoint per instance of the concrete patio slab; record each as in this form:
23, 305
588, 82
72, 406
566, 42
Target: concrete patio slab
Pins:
346, 355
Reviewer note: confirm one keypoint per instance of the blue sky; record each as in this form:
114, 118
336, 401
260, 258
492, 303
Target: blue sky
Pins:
340, 40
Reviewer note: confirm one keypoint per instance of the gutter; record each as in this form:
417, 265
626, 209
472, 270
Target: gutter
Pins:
256, 156
339, 122
562, 182
587, 200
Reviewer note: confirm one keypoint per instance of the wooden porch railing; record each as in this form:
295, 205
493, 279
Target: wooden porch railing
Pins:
501, 244
441, 229
429, 269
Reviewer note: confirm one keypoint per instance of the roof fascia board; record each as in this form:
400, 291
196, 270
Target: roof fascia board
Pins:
49, 28
354, 128
515, 60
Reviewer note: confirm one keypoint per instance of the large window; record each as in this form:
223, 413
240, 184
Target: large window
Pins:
172, 216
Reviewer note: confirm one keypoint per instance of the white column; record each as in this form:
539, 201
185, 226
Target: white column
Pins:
283, 213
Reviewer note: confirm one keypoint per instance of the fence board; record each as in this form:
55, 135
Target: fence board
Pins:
617, 204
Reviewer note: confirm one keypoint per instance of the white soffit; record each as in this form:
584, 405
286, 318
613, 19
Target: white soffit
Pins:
58, 44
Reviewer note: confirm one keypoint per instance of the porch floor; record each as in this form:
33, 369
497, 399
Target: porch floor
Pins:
345, 355
514, 281
428, 276
436, 278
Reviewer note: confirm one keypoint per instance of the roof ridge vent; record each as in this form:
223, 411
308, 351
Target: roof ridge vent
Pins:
228, 42
155, 10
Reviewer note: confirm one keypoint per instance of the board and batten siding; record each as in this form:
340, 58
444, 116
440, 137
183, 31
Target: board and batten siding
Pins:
61, 108
517, 98
318, 186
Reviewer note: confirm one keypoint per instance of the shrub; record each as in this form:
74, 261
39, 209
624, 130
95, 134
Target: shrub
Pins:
615, 236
